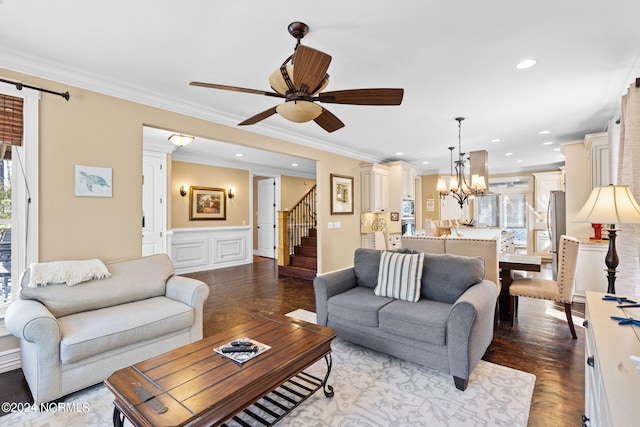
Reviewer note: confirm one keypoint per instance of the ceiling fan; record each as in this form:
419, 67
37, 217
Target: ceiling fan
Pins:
300, 82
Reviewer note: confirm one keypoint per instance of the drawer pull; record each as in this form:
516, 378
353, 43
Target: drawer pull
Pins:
591, 361
585, 323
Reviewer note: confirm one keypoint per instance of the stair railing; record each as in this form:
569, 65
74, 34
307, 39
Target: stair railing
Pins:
296, 224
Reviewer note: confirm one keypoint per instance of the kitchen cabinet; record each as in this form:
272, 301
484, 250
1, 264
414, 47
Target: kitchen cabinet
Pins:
543, 244
590, 274
545, 182
374, 182
402, 184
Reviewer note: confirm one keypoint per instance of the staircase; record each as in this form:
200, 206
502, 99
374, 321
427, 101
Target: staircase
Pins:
303, 263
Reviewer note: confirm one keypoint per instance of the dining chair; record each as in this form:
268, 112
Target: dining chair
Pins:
560, 290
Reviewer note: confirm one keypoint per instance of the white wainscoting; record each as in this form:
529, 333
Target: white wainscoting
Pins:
198, 249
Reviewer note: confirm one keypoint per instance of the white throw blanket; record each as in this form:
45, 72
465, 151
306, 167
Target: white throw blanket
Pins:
69, 272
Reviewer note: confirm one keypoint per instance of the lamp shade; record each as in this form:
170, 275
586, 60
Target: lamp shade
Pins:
299, 111
613, 204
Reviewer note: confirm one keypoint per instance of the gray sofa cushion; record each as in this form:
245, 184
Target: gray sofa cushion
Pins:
366, 263
447, 276
358, 305
424, 321
95, 332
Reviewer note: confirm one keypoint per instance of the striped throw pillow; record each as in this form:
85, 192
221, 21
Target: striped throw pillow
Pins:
399, 276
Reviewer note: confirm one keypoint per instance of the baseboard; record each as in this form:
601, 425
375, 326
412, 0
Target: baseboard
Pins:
10, 360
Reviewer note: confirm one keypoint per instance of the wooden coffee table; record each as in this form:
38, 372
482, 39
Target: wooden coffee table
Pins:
193, 385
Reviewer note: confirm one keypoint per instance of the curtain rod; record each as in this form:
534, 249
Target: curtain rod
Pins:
20, 85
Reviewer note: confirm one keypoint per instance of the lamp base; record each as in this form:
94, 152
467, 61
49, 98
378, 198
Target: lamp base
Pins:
611, 260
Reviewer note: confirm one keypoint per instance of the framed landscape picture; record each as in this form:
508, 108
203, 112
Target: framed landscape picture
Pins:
341, 194
207, 203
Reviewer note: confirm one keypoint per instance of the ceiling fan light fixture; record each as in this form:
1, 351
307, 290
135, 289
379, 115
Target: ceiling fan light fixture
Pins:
277, 82
180, 139
299, 111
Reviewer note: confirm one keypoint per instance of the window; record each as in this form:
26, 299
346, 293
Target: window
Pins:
18, 186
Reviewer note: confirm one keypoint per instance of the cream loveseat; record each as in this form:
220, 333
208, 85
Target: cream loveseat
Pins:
72, 337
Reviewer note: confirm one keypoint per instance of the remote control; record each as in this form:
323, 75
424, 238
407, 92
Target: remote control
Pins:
238, 349
241, 343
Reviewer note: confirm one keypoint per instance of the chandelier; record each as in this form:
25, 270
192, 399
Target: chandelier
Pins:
459, 188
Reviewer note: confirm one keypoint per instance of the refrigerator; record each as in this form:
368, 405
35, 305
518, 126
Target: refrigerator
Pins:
557, 225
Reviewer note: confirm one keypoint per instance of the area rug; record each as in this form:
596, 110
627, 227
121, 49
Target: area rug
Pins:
371, 389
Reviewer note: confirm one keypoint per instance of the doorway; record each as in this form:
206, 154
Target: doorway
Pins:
266, 220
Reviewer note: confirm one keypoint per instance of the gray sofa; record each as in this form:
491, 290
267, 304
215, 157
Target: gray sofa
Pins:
72, 337
449, 328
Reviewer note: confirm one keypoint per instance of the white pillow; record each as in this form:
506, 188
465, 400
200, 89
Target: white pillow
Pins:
399, 276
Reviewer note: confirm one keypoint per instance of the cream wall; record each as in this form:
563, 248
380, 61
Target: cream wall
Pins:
292, 189
99, 130
198, 175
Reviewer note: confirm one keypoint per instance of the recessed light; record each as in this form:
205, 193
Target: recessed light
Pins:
526, 63
547, 143
556, 149
239, 154
519, 161
495, 140
544, 132
425, 163
294, 164
399, 153
508, 154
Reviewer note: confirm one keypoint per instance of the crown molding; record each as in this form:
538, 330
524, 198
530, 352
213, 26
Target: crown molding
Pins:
56, 72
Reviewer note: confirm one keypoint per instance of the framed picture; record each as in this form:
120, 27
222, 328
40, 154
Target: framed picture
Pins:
341, 194
395, 216
93, 181
207, 203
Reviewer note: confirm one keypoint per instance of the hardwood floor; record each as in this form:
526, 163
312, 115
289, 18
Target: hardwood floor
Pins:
539, 342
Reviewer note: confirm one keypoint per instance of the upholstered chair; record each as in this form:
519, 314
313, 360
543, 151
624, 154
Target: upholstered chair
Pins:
560, 290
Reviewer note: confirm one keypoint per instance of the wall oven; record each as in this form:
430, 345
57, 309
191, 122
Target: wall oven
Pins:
408, 209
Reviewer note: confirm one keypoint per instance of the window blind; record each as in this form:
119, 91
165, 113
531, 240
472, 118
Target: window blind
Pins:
11, 120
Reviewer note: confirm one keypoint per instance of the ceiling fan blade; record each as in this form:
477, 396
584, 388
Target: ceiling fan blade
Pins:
309, 67
236, 89
363, 96
258, 117
328, 121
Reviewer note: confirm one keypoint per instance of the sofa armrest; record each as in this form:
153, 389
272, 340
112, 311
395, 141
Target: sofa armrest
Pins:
194, 293
30, 320
329, 284
190, 291
470, 327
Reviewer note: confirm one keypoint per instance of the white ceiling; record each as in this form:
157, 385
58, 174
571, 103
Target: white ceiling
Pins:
452, 58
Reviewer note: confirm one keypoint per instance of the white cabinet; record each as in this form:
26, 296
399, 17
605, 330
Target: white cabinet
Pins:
402, 184
598, 146
590, 274
612, 384
374, 181
545, 182
543, 244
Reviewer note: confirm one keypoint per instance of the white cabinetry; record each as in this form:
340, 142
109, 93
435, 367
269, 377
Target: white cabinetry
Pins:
598, 146
374, 181
612, 382
590, 274
545, 182
402, 184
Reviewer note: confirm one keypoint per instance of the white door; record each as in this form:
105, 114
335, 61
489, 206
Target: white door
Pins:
153, 204
267, 218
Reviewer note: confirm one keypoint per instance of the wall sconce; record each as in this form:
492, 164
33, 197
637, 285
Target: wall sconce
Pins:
183, 189
231, 193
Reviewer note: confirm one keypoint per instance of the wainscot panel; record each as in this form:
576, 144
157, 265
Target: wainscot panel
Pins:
198, 249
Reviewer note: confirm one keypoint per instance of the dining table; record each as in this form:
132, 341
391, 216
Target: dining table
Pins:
508, 263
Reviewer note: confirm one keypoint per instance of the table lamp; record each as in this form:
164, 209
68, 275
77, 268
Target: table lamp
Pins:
613, 204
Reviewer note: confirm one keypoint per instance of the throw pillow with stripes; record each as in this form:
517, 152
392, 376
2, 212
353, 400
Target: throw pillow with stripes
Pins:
399, 276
